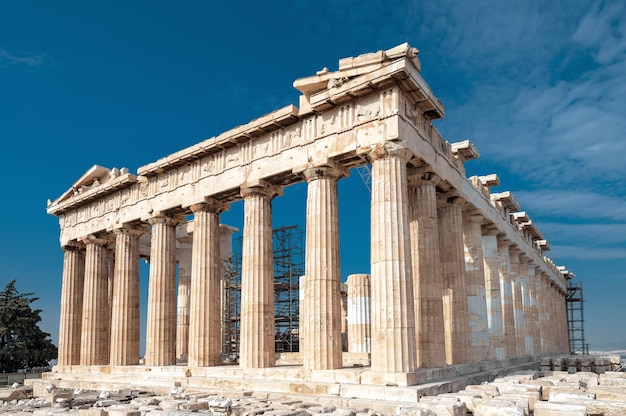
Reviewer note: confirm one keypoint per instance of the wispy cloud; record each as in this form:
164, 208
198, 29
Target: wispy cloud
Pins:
574, 205
583, 252
20, 58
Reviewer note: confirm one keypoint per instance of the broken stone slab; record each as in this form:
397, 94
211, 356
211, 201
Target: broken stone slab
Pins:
487, 407
485, 390
123, 412
565, 396
7, 395
609, 393
441, 408
600, 407
525, 400
559, 409
469, 398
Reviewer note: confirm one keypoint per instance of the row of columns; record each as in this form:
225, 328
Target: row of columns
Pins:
445, 288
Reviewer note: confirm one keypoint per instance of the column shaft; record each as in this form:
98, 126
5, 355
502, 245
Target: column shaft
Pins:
183, 299
257, 347
534, 308
359, 323
393, 312
491, 265
476, 294
125, 316
518, 309
527, 306
508, 319
71, 305
427, 279
161, 322
322, 349
205, 343
455, 287
95, 335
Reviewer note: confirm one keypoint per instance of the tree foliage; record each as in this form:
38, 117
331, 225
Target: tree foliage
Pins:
22, 343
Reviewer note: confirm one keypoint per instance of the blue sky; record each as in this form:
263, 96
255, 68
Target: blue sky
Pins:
538, 86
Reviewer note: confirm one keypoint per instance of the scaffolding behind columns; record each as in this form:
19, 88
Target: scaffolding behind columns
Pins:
289, 259
576, 315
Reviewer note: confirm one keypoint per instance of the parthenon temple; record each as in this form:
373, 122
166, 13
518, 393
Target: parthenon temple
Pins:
458, 274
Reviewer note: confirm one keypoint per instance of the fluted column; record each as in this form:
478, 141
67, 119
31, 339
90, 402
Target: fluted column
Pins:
476, 292
71, 304
257, 348
534, 308
518, 309
427, 279
205, 344
508, 319
455, 286
322, 349
161, 322
542, 310
491, 265
95, 335
359, 323
527, 306
125, 316
183, 298
393, 312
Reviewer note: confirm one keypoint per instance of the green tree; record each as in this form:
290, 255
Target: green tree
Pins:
22, 343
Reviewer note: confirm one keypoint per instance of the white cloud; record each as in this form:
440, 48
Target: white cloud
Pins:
583, 252
22, 58
573, 204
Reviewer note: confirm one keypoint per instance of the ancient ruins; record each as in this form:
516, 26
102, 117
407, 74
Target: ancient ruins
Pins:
459, 282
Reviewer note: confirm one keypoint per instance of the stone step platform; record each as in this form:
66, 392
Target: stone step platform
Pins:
356, 385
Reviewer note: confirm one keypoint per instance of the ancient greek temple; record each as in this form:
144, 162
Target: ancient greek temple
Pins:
458, 274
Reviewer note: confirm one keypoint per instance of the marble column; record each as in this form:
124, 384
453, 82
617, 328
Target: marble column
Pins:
508, 320
257, 347
534, 308
182, 299
476, 292
393, 312
518, 308
71, 304
161, 322
344, 316
543, 312
322, 349
205, 335
359, 323
455, 286
95, 328
491, 265
125, 316
427, 279
527, 306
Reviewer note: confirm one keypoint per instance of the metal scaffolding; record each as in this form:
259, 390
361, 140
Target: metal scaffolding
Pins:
576, 317
288, 244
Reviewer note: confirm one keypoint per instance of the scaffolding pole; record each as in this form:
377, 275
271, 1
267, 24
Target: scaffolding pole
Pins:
576, 317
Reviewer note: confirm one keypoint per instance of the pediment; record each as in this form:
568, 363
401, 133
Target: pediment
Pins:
96, 180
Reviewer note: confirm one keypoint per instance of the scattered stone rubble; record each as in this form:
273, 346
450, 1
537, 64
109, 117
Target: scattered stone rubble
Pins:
562, 387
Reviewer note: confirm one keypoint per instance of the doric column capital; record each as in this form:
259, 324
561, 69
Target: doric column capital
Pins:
450, 198
514, 250
129, 230
210, 204
390, 149
423, 175
260, 188
504, 242
73, 246
321, 172
92, 239
491, 229
161, 218
473, 215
